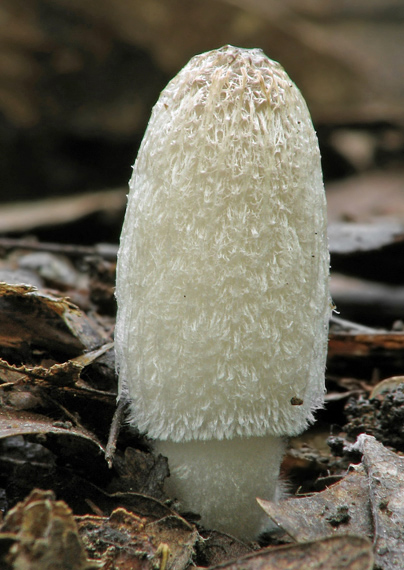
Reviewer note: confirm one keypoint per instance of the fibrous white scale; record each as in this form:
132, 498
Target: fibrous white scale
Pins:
222, 282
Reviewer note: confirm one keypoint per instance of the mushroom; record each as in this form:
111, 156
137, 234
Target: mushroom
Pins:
222, 283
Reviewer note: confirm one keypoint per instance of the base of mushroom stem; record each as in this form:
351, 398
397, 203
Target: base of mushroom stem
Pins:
220, 480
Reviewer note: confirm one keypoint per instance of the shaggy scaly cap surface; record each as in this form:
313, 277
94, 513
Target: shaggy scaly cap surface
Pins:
222, 278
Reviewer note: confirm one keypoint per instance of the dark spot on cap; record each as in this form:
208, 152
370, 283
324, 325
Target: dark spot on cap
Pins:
295, 401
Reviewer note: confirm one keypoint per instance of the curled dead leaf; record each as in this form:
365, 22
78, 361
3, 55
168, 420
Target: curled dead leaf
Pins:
40, 533
335, 552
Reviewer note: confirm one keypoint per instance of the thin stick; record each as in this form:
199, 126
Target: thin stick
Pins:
114, 432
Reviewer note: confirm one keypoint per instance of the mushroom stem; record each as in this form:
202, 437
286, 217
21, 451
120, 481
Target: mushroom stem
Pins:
220, 480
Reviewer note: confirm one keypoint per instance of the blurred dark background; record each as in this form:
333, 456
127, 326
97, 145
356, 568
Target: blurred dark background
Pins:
78, 81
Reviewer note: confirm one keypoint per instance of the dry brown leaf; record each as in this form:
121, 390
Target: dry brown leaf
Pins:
217, 547
385, 471
28, 315
64, 374
386, 385
343, 508
126, 541
368, 502
333, 553
20, 422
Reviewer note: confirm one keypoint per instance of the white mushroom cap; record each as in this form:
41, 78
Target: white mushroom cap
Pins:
222, 277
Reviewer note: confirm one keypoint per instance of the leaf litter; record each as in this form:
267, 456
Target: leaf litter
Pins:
57, 401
